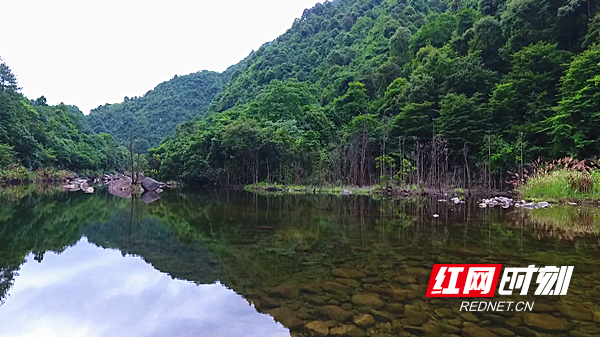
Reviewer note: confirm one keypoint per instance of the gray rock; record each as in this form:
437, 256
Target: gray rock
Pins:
150, 184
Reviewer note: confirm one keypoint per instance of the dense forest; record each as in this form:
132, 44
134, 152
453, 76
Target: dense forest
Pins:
358, 92
453, 92
152, 117
35, 135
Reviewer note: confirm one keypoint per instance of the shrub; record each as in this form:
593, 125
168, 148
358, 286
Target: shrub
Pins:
581, 182
15, 174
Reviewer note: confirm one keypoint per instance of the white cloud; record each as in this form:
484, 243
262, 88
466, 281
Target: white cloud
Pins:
90, 53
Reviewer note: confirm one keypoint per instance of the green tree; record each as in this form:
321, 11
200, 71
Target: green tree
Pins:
574, 127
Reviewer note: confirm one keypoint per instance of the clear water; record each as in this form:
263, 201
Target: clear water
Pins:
231, 263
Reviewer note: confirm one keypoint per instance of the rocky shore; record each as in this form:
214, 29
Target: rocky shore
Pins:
120, 185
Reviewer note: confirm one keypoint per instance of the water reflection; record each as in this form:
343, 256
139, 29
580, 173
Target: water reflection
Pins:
86, 291
303, 259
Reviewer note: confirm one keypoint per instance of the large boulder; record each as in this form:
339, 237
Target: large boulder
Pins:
150, 184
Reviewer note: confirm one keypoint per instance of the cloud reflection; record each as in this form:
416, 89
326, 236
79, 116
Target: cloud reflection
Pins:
88, 291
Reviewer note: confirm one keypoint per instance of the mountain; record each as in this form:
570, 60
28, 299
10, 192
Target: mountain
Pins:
412, 90
34, 134
157, 113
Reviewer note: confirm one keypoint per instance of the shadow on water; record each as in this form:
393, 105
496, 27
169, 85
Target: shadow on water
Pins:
341, 265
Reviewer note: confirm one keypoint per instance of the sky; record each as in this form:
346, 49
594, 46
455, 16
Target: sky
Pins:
88, 53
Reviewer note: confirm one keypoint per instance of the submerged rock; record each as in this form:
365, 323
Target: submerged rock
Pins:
579, 313
317, 329
401, 295
347, 330
282, 314
502, 332
546, 323
364, 320
348, 273
382, 316
286, 291
368, 300
348, 282
395, 308
334, 287
474, 331
444, 313
336, 313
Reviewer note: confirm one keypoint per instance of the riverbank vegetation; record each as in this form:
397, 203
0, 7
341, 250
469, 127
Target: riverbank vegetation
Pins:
434, 94
566, 179
327, 189
41, 142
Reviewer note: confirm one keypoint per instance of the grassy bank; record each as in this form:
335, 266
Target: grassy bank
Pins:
329, 189
563, 185
279, 188
17, 174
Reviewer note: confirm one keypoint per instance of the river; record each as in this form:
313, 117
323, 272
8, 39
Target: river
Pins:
233, 263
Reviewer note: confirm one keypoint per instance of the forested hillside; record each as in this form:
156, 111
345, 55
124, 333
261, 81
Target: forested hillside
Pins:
425, 91
156, 114
34, 135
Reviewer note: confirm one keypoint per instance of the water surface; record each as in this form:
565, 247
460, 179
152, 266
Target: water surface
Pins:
231, 263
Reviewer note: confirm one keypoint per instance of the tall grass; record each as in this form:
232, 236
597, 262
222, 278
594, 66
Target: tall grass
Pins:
562, 185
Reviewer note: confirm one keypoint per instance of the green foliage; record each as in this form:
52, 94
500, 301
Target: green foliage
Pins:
156, 114
574, 127
435, 33
7, 155
308, 106
34, 135
493, 78
15, 174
